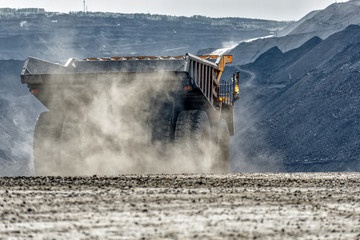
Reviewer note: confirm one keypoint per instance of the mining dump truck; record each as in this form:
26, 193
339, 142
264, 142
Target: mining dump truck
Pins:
187, 103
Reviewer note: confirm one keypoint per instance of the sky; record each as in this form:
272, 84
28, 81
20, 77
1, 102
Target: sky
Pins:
262, 9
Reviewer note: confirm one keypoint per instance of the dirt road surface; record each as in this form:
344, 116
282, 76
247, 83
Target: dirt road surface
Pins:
239, 206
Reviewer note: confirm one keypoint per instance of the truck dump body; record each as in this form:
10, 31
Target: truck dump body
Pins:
203, 73
173, 102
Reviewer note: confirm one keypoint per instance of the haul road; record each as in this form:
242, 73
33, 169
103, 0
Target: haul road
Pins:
236, 206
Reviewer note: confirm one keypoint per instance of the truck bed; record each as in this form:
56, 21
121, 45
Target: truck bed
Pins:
203, 72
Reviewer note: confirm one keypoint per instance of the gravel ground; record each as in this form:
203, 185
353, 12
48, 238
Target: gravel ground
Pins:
238, 206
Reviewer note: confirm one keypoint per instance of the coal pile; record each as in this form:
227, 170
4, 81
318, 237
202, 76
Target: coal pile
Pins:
311, 121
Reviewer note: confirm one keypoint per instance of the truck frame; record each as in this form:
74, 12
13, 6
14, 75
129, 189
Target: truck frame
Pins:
198, 111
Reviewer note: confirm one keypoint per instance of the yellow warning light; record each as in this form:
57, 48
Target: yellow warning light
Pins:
237, 89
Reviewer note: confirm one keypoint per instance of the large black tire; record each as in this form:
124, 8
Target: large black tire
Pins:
71, 146
193, 136
224, 148
83, 144
161, 130
46, 145
80, 141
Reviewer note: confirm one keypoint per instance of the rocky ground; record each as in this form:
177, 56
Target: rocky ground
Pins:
240, 206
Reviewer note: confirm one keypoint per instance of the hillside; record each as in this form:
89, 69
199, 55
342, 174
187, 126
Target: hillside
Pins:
294, 25
18, 112
321, 23
58, 37
333, 19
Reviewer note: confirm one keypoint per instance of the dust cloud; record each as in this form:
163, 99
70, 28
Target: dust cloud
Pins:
108, 129
17, 115
251, 148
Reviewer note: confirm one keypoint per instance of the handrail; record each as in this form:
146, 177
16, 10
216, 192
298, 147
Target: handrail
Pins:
220, 58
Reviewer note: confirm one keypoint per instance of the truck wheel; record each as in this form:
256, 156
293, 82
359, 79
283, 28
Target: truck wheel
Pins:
224, 148
193, 136
71, 146
46, 145
161, 130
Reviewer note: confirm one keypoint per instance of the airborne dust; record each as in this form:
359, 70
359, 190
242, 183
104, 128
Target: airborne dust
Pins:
108, 129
